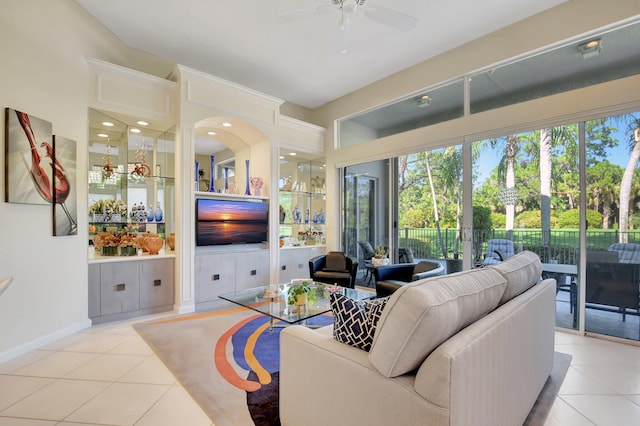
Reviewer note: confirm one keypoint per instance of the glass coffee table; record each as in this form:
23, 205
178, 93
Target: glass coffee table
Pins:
271, 300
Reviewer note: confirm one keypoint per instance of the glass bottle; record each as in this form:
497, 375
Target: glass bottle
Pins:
158, 213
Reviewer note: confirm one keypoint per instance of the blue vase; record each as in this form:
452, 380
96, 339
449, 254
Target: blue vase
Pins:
247, 191
158, 214
226, 180
150, 214
197, 186
212, 186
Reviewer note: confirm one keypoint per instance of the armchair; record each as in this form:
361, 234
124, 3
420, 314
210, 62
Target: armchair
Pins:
334, 268
497, 251
389, 278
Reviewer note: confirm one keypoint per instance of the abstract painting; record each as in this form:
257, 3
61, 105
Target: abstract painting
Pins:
28, 158
65, 215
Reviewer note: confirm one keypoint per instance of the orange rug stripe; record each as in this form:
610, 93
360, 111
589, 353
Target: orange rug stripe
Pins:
264, 376
225, 369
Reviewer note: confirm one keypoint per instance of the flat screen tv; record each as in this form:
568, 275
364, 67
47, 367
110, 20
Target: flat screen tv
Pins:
220, 222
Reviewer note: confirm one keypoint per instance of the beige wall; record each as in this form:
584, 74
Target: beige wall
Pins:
43, 46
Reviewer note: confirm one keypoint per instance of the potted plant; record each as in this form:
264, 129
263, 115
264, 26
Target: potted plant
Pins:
381, 257
297, 292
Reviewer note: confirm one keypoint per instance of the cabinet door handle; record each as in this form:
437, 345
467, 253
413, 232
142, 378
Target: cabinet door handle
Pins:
120, 287
157, 283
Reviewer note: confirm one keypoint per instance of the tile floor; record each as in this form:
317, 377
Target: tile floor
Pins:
107, 375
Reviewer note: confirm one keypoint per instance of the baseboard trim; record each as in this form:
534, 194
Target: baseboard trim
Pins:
44, 340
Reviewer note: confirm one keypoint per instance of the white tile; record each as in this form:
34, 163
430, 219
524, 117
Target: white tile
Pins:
119, 404
57, 400
132, 345
97, 343
576, 382
23, 360
107, 367
562, 414
16, 388
604, 410
151, 371
57, 364
176, 407
12, 421
623, 379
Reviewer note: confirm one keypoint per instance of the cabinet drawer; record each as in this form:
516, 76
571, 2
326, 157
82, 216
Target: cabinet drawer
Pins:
214, 274
119, 287
156, 283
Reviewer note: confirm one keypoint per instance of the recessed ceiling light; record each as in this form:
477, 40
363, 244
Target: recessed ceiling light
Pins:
423, 101
107, 124
282, 157
134, 130
226, 124
211, 133
142, 123
293, 154
103, 135
590, 48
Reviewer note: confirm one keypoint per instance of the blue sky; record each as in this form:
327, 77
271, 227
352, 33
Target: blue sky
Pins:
489, 159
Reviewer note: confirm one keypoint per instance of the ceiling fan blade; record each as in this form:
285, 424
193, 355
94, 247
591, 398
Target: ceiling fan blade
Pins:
303, 13
392, 18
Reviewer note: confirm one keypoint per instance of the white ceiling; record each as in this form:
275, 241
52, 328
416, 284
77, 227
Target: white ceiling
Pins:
298, 60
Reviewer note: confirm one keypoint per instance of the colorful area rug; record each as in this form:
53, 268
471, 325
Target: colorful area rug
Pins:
228, 361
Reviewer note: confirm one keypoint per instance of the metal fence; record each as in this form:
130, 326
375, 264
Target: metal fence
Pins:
563, 243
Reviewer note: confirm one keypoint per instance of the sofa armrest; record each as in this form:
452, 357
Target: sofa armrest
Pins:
323, 381
478, 369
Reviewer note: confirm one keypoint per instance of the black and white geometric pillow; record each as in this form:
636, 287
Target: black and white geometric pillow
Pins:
354, 321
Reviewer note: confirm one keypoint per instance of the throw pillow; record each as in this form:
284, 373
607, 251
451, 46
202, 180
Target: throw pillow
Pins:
354, 321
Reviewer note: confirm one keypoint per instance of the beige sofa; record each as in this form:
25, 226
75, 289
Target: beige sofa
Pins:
471, 348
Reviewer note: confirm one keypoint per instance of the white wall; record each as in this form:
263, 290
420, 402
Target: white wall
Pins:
43, 46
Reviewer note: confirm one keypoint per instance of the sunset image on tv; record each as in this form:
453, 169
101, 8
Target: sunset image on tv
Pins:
230, 222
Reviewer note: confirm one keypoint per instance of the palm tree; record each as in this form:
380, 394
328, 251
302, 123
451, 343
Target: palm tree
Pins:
545, 163
627, 180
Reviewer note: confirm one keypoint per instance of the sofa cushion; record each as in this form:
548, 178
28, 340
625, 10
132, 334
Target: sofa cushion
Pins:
354, 321
521, 271
421, 315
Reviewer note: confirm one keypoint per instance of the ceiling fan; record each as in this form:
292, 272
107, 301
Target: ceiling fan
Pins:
348, 8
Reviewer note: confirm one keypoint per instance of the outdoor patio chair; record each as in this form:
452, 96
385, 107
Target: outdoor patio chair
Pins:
497, 251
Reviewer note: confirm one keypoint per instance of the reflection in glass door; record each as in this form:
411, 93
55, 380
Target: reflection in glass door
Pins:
365, 208
525, 197
612, 262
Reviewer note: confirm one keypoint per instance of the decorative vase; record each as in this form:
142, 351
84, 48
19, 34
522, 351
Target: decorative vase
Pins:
226, 180
154, 243
150, 213
380, 262
247, 191
300, 299
212, 186
197, 186
171, 241
158, 214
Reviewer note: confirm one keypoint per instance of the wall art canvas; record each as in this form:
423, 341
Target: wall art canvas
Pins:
65, 212
28, 159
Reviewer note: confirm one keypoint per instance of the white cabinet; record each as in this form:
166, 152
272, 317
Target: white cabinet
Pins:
226, 272
120, 290
294, 261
